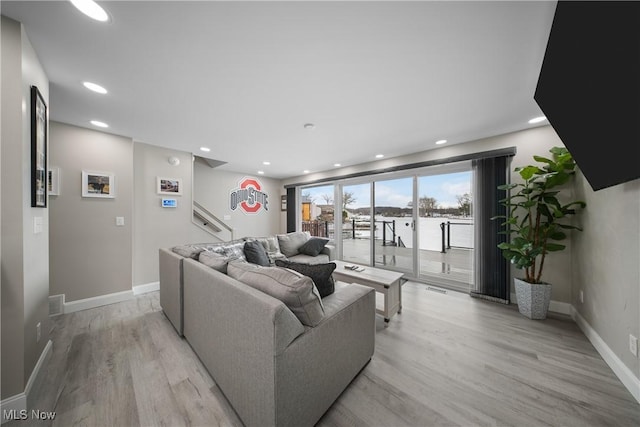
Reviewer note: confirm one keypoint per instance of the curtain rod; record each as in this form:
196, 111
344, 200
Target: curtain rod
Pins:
500, 152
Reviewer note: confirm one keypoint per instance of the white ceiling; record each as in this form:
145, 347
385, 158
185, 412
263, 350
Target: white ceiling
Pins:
244, 77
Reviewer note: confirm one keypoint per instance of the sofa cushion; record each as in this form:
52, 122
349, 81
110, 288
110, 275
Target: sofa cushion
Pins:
235, 250
188, 251
255, 253
290, 243
307, 259
216, 260
295, 290
271, 246
313, 246
321, 274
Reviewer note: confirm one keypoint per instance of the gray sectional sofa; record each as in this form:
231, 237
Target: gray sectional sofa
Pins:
280, 354
171, 264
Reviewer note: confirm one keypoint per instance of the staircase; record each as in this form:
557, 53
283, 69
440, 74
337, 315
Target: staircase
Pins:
210, 223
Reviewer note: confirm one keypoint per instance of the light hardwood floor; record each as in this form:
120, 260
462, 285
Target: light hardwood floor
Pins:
446, 360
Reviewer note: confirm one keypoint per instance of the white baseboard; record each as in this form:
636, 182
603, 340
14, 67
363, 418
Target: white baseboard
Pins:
36, 370
17, 403
554, 306
560, 307
148, 287
13, 405
83, 304
630, 381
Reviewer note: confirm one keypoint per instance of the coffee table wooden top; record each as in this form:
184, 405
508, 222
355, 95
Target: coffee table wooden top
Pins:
370, 274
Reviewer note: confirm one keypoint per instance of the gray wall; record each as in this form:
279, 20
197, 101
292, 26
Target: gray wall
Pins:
25, 259
155, 226
606, 265
90, 256
212, 188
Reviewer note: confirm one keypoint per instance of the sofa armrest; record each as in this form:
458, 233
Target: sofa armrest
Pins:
237, 331
320, 364
329, 250
170, 276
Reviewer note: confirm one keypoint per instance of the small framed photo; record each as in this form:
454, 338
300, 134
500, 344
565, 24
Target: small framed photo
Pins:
171, 186
53, 181
98, 184
283, 203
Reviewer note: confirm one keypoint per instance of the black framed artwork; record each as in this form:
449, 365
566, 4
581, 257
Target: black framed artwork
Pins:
38, 149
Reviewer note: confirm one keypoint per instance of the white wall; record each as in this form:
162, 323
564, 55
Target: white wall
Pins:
212, 189
90, 255
25, 254
156, 227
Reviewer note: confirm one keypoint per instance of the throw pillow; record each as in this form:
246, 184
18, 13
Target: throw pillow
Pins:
255, 253
215, 260
188, 251
295, 290
235, 251
290, 243
313, 246
321, 274
271, 247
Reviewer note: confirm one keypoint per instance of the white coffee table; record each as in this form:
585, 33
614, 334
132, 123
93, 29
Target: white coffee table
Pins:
385, 282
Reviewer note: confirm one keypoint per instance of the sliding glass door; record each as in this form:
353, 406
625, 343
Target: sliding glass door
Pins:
418, 222
446, 229
356, 223
394, 225
317, 211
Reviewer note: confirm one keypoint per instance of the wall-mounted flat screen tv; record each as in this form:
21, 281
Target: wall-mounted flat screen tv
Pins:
589, 87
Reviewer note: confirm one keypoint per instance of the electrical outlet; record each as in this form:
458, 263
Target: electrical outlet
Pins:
633, 345
581, 297
38, 332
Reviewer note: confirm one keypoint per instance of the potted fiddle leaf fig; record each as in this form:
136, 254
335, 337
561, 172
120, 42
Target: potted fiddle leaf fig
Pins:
537, 223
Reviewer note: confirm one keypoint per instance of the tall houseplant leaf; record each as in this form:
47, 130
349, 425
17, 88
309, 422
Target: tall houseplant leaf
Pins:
535, 214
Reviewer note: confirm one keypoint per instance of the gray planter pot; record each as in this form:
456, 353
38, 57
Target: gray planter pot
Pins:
533, 298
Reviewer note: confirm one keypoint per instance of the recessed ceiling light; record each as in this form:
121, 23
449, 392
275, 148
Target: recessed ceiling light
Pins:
94, 87
91, 9
305, 171
309, 126
261, 172
266, 163
379, 156
537, 119
440, 142
205, 149
337, 164
99, 124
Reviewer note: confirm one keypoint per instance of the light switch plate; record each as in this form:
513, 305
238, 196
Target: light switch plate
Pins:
37, 225
119, 221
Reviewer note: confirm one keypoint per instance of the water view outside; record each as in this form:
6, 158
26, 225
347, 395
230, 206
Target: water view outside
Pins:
443, 202
430, 233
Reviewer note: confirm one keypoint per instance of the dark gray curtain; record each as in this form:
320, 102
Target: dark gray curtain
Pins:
491, 268
291, 209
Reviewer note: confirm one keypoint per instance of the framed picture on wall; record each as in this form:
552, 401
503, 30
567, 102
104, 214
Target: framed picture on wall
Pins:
171, 186
38, 149
98, 184
283, 203
53, 181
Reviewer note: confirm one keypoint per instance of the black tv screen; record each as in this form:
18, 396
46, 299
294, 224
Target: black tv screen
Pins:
589, 87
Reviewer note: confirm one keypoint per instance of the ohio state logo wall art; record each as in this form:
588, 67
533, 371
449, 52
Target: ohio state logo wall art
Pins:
249, 197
